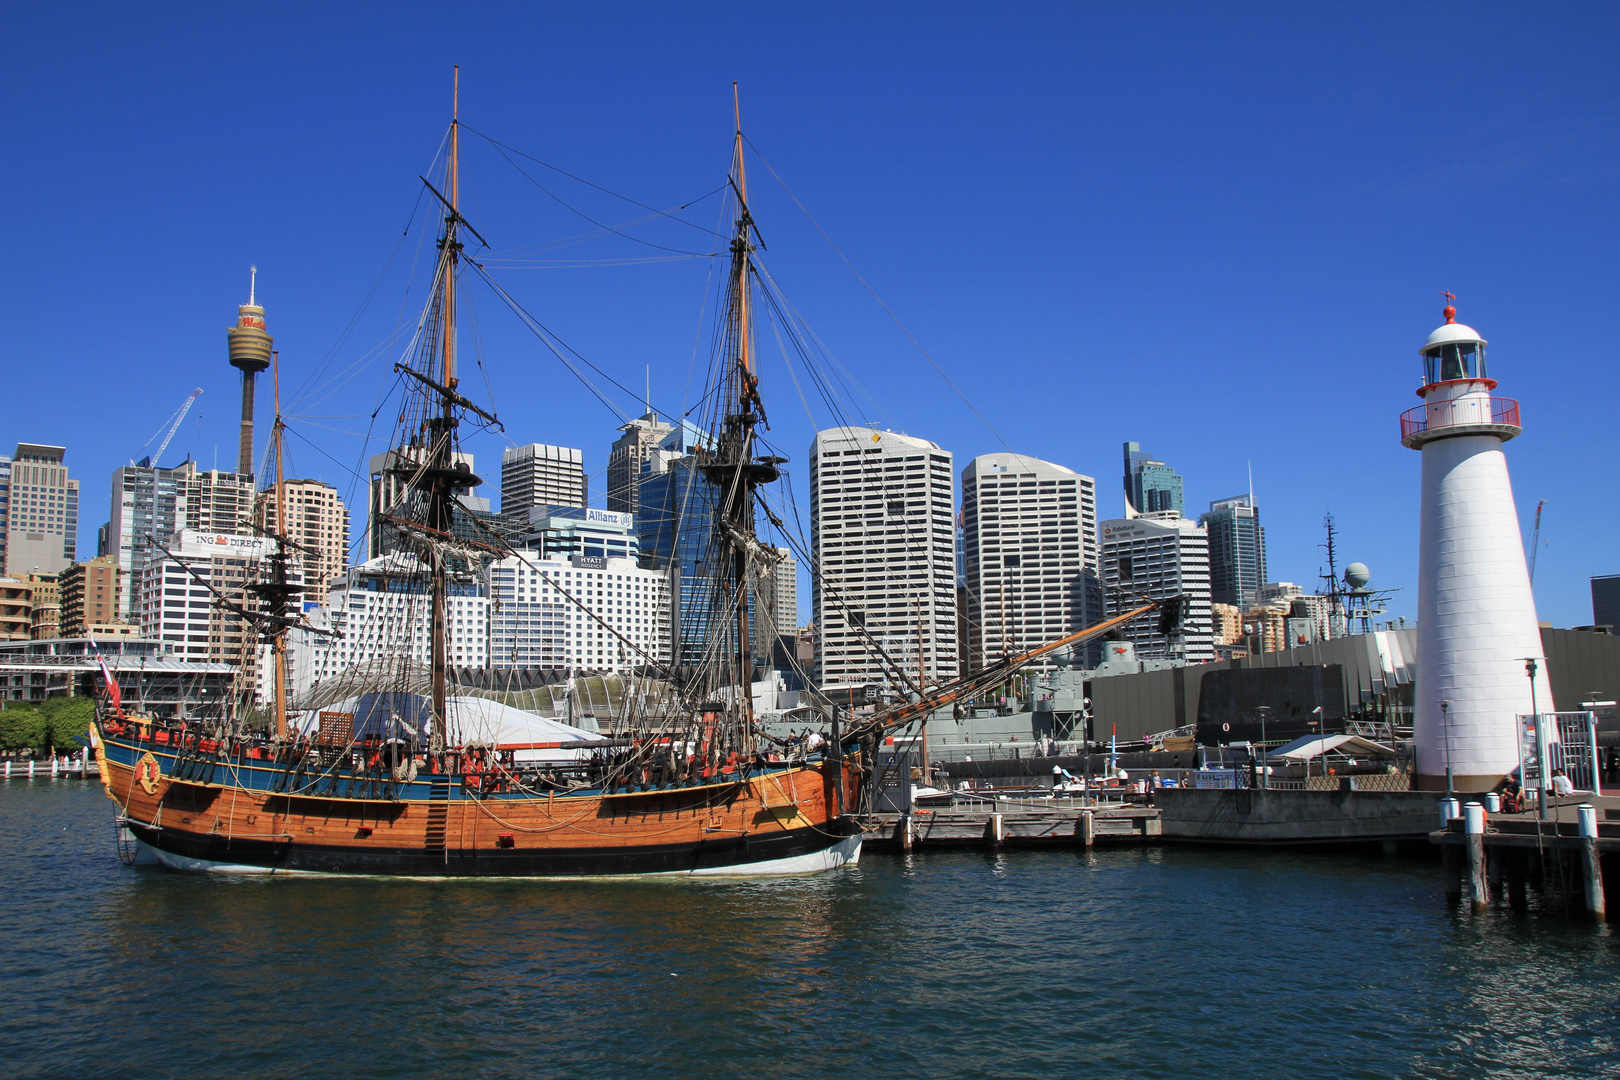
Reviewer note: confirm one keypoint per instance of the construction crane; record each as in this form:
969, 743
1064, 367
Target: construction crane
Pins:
1535, 541
185, 407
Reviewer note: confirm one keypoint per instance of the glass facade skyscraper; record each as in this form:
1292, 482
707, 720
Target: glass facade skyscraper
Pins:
1151, 486
1237, 551
676, 529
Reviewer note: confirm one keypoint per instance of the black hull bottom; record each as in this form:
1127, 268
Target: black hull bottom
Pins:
798, 851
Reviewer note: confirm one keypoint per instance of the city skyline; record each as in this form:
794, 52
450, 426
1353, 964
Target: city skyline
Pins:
1307, 297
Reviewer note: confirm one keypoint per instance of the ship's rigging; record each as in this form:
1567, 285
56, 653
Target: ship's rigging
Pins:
739, 466
406, 782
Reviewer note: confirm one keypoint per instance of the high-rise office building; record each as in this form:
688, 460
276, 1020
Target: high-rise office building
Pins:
217, 501
1159, 558
627, 459
317, 522
562, 532
1606, 601
16, 610
1151, 486
39, 512
147, 503
882, 544
777, 597
1029, 554
179, 590
539, 475
5, 508
676, 529
1237, 551
785, 597
585, 612
90, 600
45, 621
150, 505
382, 611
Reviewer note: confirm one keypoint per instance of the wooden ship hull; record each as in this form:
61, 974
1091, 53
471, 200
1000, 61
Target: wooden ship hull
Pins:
195, 809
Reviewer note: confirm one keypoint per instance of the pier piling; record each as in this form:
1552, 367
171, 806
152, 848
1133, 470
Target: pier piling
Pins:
1474, 826
1087, 826
1451, 866
1591, 867
1518, 873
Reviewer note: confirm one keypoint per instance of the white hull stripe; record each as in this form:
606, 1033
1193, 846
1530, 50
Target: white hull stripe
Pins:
847, 852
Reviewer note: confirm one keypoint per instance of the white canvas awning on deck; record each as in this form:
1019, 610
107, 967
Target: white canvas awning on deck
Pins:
472, 719
1310, 746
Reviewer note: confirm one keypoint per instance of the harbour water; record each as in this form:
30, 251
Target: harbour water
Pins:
1160, 962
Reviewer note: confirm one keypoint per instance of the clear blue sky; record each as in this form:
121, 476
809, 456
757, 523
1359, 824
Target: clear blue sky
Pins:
1219, 231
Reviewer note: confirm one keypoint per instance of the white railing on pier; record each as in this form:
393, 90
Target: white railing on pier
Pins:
1030, 803
80, 767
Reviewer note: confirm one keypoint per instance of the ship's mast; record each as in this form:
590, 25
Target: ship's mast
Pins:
279, 645
737, 440
742, 497
442, 445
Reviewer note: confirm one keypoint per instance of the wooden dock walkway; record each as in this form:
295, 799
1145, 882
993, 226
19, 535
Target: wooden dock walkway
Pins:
1014, 823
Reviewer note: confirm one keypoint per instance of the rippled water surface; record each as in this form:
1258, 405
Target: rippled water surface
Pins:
1138, 963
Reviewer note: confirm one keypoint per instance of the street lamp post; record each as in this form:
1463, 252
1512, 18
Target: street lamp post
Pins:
1321, 742
1541, 758
1265, 770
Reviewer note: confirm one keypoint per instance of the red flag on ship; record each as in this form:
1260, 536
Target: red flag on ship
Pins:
113, 689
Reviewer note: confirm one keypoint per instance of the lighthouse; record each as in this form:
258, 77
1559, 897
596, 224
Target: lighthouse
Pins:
1476, 614
250, 346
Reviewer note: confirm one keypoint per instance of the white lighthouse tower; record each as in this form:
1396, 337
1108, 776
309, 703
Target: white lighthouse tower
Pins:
1476, 614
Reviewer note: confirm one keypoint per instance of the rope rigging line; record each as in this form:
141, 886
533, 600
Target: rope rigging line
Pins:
887, 310
599, 187
778, 297
570, 597
546, 337
580, 213
302, 396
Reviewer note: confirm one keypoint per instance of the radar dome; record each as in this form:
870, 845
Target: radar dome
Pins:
1356, 575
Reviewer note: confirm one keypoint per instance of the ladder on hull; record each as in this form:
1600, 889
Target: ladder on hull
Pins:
438, 819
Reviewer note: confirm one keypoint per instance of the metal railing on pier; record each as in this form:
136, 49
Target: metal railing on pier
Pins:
1027, 803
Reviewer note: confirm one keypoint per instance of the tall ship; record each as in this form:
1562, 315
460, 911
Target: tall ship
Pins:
401, 775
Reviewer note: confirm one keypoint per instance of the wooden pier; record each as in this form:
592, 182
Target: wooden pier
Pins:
1014, 823
1571, 849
